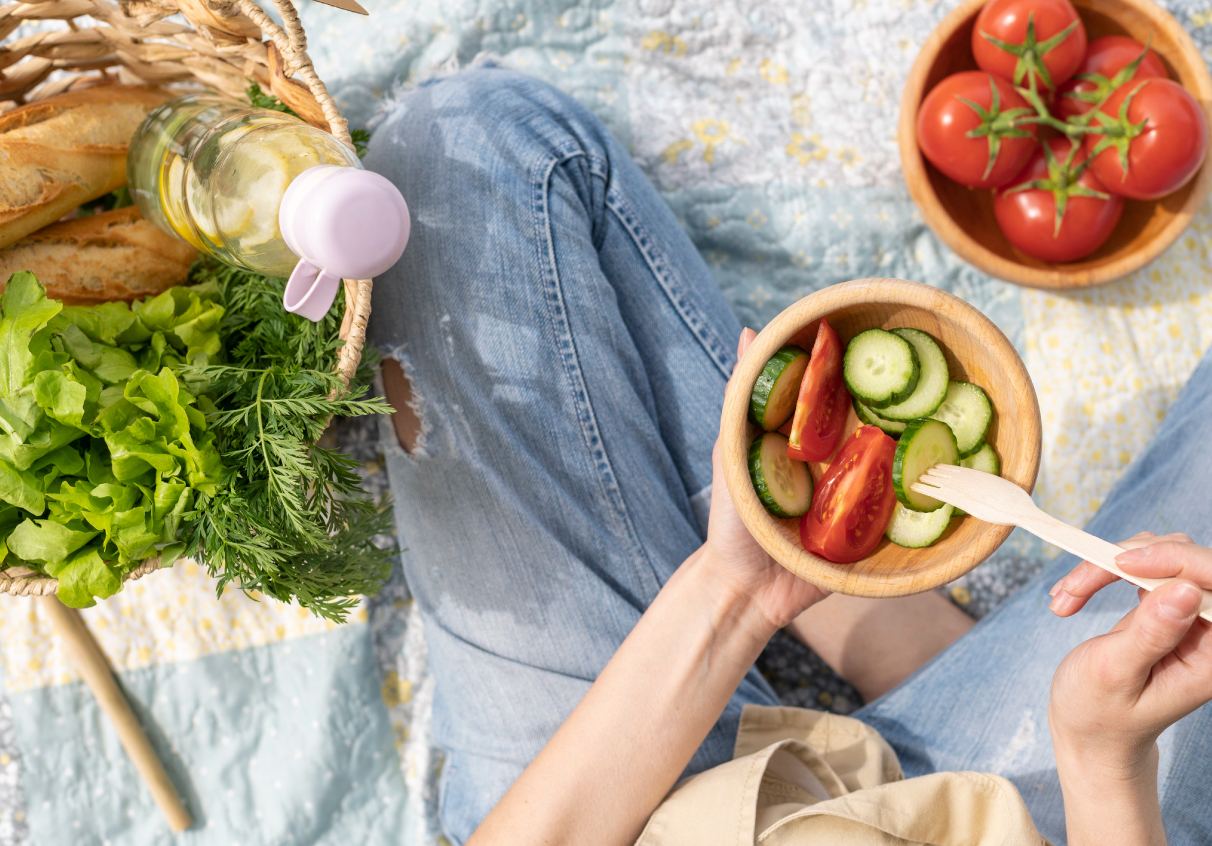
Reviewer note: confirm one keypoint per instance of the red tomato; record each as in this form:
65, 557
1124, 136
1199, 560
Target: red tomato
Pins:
1028, 216
978, 147
1040, 40
853, 501
1100, 74
820, 410
1161, 138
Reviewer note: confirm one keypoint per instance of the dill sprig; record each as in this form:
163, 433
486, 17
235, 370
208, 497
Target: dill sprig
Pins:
291, 519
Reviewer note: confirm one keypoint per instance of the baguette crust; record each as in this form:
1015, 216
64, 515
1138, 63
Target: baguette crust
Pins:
66, 150
114, 255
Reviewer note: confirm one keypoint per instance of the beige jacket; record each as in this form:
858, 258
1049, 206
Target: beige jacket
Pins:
804, 778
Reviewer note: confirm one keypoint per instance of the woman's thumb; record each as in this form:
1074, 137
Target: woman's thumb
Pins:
1164, 617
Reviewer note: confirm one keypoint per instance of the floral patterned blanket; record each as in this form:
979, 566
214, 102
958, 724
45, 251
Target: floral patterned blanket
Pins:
770, 130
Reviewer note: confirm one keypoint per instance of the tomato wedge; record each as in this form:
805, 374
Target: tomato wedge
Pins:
820, 410
854, 500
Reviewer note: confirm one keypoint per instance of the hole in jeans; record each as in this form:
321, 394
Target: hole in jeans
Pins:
406, 421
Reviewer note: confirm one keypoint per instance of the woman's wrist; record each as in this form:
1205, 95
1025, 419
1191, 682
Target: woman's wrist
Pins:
1110, 793
732, 604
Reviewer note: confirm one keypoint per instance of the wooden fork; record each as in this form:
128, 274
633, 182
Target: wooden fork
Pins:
1000, 501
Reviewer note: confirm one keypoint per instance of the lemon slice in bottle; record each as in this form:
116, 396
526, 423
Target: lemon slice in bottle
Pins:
233, 217
200, 208
172, 199
264, 177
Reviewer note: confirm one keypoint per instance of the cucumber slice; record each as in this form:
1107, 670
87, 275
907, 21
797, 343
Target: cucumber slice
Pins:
985, 460
968, 412
924, 444
866, 415
777, 388
880, 368
915, 529
784, 486
932, 381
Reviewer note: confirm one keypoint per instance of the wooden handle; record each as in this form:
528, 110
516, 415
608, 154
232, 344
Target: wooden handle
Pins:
92, 666
1100, 552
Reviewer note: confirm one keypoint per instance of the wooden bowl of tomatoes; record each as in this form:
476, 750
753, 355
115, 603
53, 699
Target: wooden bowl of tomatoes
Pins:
976, 352
1149, 108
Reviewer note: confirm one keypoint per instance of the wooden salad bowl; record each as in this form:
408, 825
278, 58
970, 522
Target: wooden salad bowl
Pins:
976, 352
963, 219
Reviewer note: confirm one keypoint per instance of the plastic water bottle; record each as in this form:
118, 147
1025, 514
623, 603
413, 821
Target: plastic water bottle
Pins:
228, 179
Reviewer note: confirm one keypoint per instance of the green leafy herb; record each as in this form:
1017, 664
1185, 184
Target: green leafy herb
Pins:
361, 141
262, 100
291, 519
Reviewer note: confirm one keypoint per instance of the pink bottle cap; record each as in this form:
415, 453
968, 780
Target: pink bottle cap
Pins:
342, 223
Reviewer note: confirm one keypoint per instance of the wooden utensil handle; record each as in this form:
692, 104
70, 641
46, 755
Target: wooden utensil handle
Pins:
89, 661
1100, 552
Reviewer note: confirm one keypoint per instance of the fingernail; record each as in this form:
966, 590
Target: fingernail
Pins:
1055, 588
1180, 602
1059, 601
1131, 556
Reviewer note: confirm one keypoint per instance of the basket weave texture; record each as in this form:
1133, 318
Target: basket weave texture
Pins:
223, 45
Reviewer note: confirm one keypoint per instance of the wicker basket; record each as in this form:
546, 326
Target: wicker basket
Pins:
226, 44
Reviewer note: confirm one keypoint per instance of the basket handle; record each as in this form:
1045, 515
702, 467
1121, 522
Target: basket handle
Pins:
291, 41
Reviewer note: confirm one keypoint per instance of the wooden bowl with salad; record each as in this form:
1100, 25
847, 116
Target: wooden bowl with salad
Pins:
1011, 237
822, 478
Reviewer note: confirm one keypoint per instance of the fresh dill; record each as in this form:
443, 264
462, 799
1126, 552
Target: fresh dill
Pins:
291, 520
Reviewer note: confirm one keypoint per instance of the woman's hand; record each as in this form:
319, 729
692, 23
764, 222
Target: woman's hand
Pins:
1118, 692
1114, 694
739, 561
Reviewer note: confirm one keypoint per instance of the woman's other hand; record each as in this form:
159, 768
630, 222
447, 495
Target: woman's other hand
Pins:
1115, 694
739, 561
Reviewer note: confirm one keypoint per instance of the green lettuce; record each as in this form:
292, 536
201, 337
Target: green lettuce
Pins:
103, 447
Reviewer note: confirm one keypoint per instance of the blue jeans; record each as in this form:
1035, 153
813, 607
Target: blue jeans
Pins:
568, 350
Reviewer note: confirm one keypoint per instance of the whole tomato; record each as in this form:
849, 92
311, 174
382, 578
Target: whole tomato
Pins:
1057, 210
1106, 67
1034, 43
966, 128
1155, 139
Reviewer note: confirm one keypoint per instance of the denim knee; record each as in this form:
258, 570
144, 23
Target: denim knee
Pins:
503, 109
475, 155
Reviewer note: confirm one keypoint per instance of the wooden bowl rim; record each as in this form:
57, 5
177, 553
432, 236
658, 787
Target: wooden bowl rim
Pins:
967, 247
734, 441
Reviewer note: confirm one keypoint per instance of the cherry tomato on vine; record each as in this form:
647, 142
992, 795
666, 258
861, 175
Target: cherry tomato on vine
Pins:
1057, 210
966, 128
1105, 69
853, 501
1029, 42
1155, 140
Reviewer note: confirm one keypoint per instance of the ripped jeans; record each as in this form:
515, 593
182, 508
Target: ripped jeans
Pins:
568, 349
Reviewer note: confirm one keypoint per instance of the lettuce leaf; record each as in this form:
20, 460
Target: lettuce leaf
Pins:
47, 542
82, 575
103, 449
22, 488
24, 310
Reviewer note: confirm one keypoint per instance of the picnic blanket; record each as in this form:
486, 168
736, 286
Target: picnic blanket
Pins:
770, 130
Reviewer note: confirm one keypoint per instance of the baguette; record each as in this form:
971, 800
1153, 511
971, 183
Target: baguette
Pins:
66, 150
114, 255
